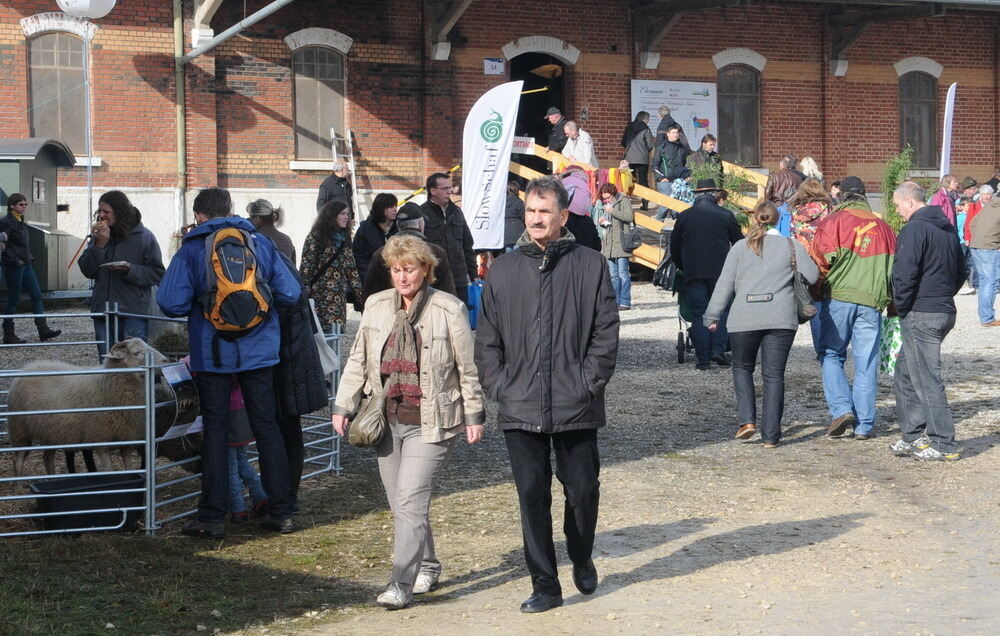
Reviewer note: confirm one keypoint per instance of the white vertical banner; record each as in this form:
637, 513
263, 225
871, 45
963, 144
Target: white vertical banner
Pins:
949, 116
486, 147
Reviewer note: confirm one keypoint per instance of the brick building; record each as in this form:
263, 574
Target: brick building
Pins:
846, 86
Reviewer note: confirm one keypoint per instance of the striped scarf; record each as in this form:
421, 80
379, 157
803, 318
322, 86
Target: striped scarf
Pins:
400, 359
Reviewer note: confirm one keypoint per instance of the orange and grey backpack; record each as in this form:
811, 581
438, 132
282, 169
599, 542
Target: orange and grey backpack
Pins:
235, 300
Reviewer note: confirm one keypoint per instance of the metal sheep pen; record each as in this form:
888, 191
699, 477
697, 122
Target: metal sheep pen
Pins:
155, 492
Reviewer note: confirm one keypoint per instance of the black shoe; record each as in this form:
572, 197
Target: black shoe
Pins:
540, 602
585, 577
703, 366
722, 360
863, 437
204, 529
284, 526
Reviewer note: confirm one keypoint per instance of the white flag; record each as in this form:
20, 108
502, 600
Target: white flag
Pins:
949, 117
486, 147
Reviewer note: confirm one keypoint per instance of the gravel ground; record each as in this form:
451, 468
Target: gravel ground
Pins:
700, 533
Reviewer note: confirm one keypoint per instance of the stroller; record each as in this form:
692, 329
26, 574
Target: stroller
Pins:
668, 277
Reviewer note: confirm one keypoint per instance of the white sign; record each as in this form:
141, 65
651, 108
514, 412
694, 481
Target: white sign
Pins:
493, 66
949, 116
486, 146
692, 104
523, 146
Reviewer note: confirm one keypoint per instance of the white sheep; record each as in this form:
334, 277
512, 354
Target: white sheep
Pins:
80, 391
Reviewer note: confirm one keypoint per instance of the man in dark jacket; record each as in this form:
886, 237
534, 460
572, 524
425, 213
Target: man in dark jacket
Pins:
638, 142
668, 164
546, 346
699, 245
557, 136
513, 216
409, 220
928, 271
445, 226
336, 186
666, 121
706, 155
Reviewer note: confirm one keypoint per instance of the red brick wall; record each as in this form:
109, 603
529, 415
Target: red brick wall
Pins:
407, 111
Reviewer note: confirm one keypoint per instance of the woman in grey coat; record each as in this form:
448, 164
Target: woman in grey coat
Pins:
123, 259
757, 278
614, 218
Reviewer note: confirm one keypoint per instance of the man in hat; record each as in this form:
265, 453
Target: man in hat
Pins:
854, 251
969, 188
409, 220
699, 245
557, 138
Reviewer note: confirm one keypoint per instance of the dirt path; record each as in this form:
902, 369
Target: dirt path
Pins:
700, 533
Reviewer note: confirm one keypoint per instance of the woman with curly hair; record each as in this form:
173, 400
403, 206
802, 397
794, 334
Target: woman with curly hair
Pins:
328, 270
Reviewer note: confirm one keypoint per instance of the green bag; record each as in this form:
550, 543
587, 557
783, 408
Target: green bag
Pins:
890, 342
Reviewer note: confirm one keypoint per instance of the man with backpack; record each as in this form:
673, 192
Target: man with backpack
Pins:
227, 279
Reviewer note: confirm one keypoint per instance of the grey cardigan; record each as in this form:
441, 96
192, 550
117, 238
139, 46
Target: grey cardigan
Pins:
746, 274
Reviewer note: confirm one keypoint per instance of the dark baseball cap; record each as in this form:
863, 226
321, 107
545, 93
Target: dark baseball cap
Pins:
553, 111
853, 184
409, 211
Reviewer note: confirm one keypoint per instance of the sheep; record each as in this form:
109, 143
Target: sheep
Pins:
80, 391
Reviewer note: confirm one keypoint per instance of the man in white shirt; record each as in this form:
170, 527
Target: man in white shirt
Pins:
579, 146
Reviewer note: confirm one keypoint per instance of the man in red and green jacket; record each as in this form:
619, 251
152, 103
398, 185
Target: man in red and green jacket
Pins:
854, 250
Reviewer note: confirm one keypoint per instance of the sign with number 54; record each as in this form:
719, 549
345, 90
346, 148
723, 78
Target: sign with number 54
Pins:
493, 66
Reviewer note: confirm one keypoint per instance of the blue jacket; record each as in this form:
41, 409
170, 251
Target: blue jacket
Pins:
929, 267
184, 283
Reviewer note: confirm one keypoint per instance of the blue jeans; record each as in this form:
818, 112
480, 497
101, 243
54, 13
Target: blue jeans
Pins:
921, 403
18, 278
706, 344
663, 187
988, 269
242, 473
621, 281
858, 325
127, 328
257, 386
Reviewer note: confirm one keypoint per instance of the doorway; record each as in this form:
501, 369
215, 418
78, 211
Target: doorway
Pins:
538, 70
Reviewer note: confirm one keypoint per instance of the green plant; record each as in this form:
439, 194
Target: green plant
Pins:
897, 170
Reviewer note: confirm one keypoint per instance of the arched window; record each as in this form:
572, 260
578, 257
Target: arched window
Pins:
56, 89
739, 114
918, 116
319, 100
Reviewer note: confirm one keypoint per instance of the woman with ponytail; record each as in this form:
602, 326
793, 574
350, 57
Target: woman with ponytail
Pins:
757, 279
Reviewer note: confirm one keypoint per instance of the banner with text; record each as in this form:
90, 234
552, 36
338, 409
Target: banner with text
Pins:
486, 148
692, 104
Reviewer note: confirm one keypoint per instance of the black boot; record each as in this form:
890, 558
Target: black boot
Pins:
44, 332
9, 337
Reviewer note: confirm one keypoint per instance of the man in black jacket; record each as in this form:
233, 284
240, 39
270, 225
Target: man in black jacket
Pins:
928, 271
336, 186
546, 346
445, 226
557, 136
699, 245
668, 164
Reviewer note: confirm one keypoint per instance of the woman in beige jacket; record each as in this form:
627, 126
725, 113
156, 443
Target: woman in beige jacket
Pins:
415, 346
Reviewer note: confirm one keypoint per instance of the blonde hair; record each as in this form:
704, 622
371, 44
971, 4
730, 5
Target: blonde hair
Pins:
412, 250
764, 215
810, 169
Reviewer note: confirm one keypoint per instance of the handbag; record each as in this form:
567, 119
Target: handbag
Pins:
327, 356
475, 302
631, 238
804, 307
368, 425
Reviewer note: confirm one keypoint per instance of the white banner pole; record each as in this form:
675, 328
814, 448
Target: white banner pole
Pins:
949, 116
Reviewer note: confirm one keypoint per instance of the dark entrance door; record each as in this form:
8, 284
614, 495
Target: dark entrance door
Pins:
537, 70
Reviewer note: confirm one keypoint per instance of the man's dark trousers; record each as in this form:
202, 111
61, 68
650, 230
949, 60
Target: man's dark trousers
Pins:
707, 344
921, 403
258, 394
641, 171
577, 467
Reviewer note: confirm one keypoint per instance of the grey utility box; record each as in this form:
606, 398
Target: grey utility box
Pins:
30, 166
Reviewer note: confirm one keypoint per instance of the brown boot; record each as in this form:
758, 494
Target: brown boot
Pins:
9, 337
44, 332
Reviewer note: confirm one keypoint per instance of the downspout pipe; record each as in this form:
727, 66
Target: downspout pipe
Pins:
180, 205
246, 22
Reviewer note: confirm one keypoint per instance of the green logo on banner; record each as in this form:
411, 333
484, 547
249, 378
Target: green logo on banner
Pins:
492, 128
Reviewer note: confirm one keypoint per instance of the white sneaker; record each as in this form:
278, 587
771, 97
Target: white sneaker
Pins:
966, 291
394, 597
426, 581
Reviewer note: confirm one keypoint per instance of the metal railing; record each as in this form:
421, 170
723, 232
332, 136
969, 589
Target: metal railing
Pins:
163, 491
